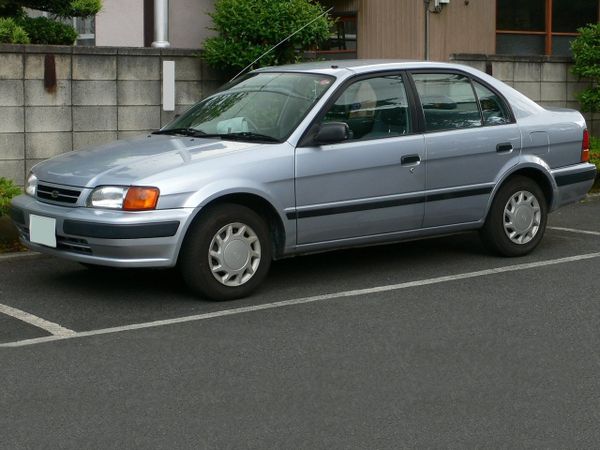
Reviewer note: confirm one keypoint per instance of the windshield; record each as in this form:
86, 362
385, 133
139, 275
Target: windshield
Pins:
264, 106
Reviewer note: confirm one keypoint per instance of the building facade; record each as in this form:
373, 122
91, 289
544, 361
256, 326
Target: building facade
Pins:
437, 29
421, 29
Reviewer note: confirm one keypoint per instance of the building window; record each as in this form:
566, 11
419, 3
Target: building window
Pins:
541, 27
342, 40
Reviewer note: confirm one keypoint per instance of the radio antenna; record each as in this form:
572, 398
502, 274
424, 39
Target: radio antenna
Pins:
279, 43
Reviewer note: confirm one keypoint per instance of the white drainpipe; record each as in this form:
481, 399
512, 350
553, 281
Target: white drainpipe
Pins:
161, 24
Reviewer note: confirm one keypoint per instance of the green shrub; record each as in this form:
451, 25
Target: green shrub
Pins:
595, 151
586, 54
42, 30
11, 32
84, 8
8, 190
248, 28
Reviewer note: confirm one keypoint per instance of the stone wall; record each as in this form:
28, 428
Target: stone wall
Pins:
546, 80
101, 94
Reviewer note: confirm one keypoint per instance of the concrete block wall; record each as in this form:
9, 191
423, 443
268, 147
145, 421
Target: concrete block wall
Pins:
546, 80
101, 94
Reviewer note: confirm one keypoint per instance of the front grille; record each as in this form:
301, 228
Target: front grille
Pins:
73, 245
57, 194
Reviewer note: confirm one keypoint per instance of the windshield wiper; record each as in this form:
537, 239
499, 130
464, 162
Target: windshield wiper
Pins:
249, 136
182, 132
239, 136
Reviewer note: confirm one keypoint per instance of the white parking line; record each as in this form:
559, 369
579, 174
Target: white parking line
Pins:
51, 327
304, 300
573, 230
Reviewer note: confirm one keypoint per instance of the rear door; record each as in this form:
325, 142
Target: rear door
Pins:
372, 183
470, 136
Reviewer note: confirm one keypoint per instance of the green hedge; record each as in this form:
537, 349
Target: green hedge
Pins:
595, 151
8, 190
42, 30
11, 32
248, 28
586, 55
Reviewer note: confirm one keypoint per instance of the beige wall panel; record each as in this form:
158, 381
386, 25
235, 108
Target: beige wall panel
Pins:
189, 22
463, 27
390, 29
120, 23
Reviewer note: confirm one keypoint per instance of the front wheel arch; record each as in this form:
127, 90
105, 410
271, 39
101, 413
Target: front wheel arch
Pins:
259, 205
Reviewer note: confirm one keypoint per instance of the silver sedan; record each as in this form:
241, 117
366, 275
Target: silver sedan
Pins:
307, 158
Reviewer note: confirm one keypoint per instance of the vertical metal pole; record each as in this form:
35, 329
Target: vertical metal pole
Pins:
161, 24
426, 52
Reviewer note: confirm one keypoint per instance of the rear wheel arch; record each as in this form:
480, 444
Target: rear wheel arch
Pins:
536, 175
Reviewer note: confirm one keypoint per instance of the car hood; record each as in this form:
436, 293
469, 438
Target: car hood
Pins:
128, 161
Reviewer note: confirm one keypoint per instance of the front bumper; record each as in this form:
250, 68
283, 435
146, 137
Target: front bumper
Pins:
110, 238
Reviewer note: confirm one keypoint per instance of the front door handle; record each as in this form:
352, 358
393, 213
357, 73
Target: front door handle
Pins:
410, 160
505, 147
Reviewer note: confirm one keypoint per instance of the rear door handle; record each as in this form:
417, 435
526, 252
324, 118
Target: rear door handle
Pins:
410, 160
505, 147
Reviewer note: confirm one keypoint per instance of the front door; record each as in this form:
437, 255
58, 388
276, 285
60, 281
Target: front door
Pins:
370, 184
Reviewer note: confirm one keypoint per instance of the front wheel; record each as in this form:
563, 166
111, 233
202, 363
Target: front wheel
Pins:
227, 253
517, 219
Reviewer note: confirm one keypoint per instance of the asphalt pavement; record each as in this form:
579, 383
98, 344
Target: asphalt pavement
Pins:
426, 344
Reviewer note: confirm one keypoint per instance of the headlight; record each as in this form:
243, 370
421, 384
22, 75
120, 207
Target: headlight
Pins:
132, 198
31, 185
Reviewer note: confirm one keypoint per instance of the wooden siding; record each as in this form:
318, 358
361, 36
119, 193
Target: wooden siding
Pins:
463, 27
395, 29
390, 29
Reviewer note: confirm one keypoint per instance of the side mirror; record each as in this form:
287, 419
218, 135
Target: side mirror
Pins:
331, 133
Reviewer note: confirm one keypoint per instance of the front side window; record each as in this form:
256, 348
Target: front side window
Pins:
267, 106
448, 101
373, 108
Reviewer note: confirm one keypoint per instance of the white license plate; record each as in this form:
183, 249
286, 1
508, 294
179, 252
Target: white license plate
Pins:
42, 230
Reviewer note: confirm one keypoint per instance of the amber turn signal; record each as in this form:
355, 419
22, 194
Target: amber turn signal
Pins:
141, 198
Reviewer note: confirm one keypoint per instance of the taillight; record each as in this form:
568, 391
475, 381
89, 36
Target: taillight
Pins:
585, 146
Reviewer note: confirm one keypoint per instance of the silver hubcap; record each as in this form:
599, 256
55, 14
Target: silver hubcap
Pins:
234, 254
522, 217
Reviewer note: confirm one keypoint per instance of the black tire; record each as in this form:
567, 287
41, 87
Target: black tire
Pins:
194, 261
493, 232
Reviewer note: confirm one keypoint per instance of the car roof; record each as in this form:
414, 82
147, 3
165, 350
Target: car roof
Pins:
356, 66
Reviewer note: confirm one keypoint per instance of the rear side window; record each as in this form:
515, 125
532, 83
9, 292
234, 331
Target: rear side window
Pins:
493, 108
374, 108
448, 101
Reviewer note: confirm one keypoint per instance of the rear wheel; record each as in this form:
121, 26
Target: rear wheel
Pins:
517, 219
227, 253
